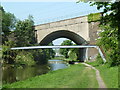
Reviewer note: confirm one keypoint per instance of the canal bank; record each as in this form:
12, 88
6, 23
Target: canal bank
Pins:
12, 74
75, 76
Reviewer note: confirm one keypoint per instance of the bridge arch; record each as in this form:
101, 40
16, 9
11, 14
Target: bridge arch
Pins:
63, 34
67, 34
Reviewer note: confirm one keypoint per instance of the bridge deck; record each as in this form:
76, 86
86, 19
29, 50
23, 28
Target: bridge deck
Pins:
54, 47
57, 47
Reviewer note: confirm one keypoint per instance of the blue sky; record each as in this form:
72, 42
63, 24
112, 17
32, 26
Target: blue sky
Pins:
44, 12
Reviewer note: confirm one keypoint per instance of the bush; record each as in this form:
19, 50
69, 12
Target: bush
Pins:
113, 58
39, 56
109, 42
24, 58
8, 55
72, 55
99, 60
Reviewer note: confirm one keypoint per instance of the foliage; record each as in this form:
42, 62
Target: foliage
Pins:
76, 76
24, 35
109, 41
7, 54
24, 58
93, 17
97, 62
65, 50
8, 23
24, 32
110, 35
39, 56
111, 12
73, 54
51, 52
59, 58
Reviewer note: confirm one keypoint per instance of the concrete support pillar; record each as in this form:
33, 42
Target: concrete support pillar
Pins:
86, 57
82, 54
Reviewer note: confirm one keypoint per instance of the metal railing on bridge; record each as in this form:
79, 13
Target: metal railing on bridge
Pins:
57, 47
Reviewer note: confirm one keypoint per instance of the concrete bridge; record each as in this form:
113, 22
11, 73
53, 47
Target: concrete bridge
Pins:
76, 29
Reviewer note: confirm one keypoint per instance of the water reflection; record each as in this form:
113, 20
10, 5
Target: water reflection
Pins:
16, 74
11, 75
57, 64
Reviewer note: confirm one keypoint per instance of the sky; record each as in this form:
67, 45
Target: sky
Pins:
45, 12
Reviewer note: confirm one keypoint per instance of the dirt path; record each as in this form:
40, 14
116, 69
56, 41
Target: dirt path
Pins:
98, 77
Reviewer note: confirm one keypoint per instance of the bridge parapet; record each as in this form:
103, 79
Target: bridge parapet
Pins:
62, 23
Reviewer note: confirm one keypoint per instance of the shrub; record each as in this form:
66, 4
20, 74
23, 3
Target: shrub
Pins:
99, 60
72, 55
8, 55
24, 58
39, 56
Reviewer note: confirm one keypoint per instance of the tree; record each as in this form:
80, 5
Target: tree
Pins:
24, 32
8, 23
66, 50
73, 54
110, 37
110, 26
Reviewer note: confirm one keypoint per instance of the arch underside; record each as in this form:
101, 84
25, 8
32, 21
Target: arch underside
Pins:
67, 34
63, 34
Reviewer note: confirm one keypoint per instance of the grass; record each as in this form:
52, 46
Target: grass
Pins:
109, 74
59, 58
75, 76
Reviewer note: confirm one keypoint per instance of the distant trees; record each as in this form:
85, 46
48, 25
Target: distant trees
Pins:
51, 52
71, 53
65, 50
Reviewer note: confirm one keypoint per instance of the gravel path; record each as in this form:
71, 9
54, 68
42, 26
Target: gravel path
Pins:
98, 77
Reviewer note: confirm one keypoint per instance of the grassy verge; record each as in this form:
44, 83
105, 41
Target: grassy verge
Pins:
75, 76
109, 74
59, 58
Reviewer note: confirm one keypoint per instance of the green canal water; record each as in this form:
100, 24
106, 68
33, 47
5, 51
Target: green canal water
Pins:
10, 75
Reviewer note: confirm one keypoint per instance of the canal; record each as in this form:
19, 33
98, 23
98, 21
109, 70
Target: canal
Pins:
10, 75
